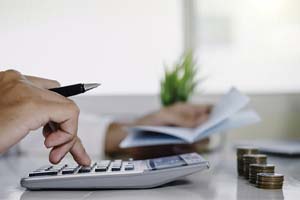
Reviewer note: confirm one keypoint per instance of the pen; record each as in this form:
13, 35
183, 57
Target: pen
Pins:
72, 90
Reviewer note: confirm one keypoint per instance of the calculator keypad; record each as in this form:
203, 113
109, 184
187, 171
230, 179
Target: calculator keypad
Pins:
119, 166
47, 170
115, 174
102, 166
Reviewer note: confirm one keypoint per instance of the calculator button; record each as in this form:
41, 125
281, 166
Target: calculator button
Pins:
166, 162
85, 169
101, 169
104, 163
129, 167
44, 173
116, 165
191, 158
102, 166
69, 170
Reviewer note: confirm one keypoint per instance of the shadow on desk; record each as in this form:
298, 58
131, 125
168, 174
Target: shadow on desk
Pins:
248, 191
244, 192
82, 194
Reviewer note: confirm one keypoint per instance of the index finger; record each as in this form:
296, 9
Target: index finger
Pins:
79, 154
75, 147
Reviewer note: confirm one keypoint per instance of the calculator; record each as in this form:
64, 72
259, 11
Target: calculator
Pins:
116, 174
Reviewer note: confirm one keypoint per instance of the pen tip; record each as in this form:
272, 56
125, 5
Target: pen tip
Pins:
90, 86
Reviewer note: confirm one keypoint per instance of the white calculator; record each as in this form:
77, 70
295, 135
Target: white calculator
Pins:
115, 174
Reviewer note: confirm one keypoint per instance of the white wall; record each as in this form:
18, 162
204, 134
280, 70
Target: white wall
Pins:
119, 43
253, 44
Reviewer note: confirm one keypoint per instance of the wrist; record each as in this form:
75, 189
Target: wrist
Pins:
114, 135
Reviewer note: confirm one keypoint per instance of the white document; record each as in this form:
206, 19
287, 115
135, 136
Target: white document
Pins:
226, 115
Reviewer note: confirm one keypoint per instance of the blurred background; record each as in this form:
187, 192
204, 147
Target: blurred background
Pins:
125, 44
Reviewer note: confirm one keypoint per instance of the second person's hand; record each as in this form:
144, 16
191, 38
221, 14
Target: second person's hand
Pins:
179, 114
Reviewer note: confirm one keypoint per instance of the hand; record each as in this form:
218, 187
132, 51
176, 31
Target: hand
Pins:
179, 114
26, 104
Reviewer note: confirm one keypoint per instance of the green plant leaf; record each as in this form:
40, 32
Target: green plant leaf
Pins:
180, 82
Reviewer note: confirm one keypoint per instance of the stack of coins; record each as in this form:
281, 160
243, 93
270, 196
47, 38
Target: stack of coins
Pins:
269, 181
252, 159
239, 153
254, 169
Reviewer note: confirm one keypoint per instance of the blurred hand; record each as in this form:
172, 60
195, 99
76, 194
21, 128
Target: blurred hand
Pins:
26, 104
179, 114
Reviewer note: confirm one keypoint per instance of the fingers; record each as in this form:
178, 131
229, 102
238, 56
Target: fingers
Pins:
65, 114
186, 108
186, 115
202, 109
35, 106
202, 119
77, 150
12, 74
176, 119
57, 138
49, 128
79, 154
63, 139
37, 81
42, 82
58, 153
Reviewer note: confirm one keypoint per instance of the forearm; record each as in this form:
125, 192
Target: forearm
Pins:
114, 135
12, 129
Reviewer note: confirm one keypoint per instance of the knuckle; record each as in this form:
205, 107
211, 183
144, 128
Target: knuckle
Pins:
13, 73
75, 109
55, 82
75, 140
72, 137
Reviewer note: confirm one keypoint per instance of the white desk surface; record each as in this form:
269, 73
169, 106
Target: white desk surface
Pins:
219, 182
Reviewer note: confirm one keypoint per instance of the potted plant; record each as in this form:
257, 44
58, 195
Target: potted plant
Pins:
179, 83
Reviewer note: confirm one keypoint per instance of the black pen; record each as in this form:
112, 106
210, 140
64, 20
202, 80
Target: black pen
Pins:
72, 90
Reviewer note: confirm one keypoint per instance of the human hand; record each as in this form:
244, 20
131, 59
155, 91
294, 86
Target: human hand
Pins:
179, 114
26, 104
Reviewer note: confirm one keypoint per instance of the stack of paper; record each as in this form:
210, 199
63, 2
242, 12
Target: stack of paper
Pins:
229, 113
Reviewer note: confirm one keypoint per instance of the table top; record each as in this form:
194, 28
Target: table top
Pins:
219, 182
